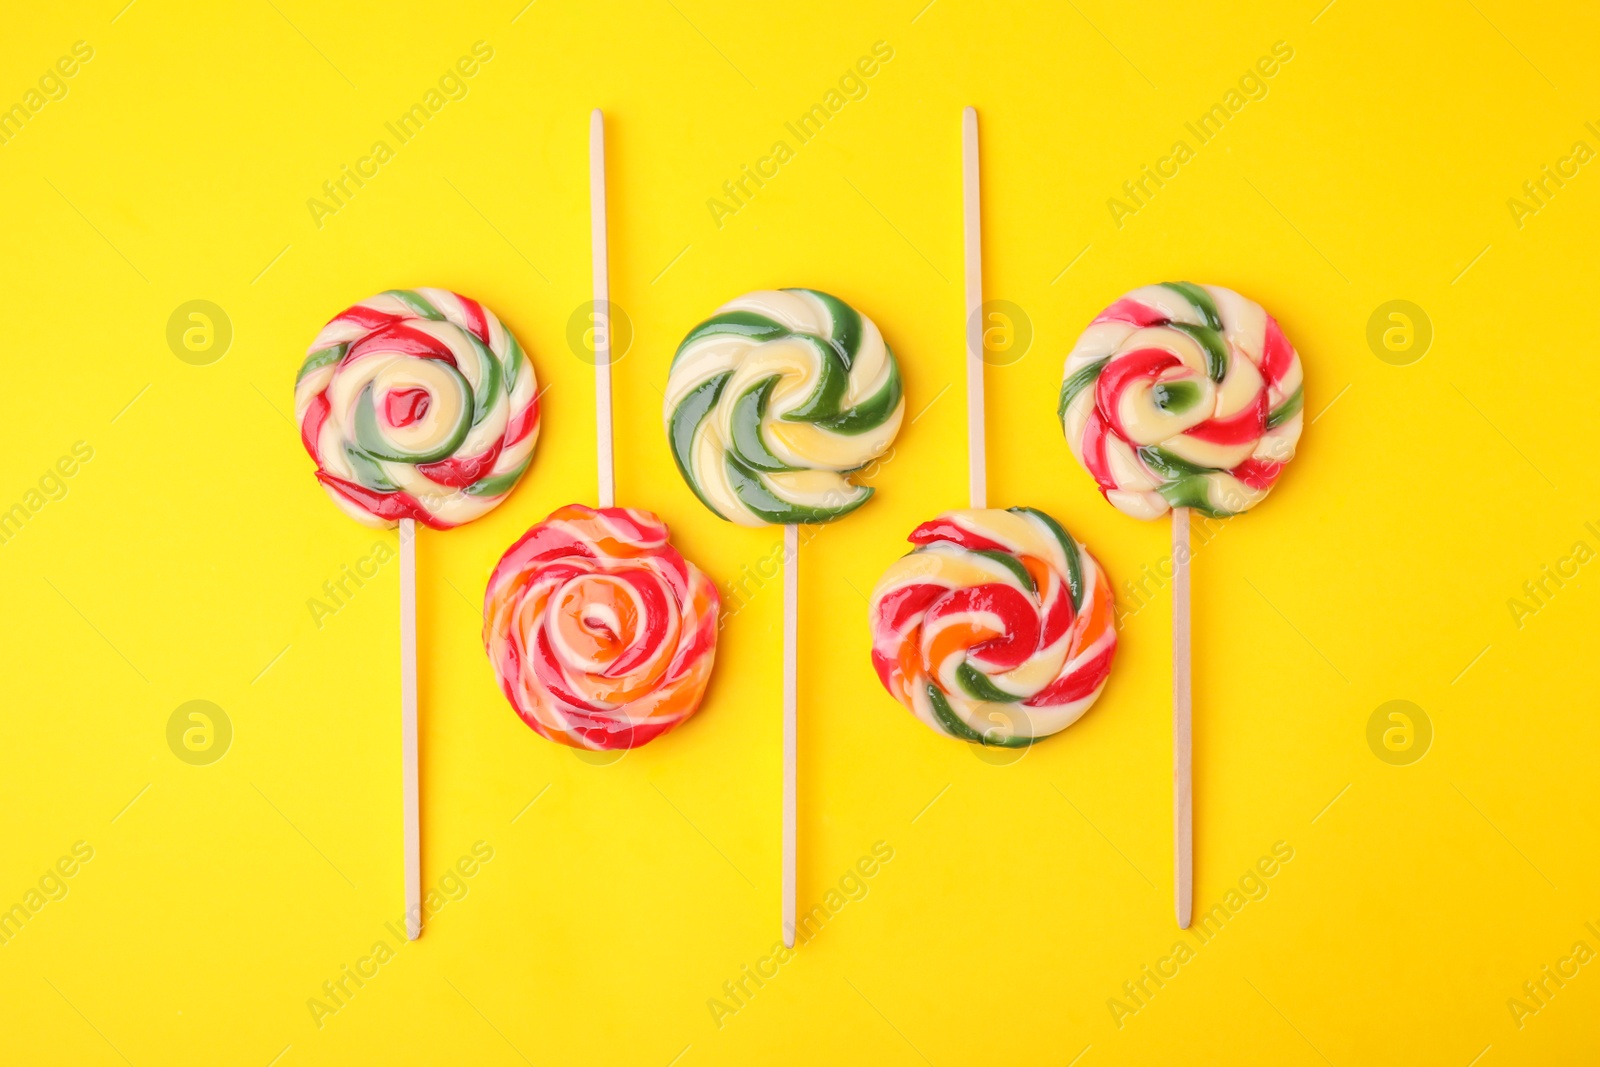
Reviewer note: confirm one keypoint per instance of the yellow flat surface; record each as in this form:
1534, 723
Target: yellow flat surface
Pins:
620, 905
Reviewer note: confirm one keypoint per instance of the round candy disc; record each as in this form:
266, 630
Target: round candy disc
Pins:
1182, 395
773, 401
417, 404
601, 634
997, 628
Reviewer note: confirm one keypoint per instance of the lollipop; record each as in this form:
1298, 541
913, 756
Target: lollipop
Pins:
417, 406
770, 405
774, 400
601, 635
998, 628
1182, 396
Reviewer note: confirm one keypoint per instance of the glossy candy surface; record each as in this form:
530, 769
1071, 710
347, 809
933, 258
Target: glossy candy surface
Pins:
417, 404
773, 401
601, 634
997, 628
1182, 395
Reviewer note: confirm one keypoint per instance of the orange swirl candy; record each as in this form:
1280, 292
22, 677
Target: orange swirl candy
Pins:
602, 635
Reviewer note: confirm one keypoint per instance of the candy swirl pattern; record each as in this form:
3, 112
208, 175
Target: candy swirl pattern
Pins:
1182, 395
417, 404
601, 634
997, 628
775, 400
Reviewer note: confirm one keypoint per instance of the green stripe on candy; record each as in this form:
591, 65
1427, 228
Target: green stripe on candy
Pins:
1077, 382
1069, 548
872, 412
745, 324
366, 471
955, 727
1288, 409
949, 719
1168, 465
1200, 299
846, 323
1012, 564
977, 685
1211, 342
748, 411
489, 388
372, 441
769, 507
321, 358
418, 304
686, 420
499, 483
1192, 491
1175, 397
514, 360
832, 380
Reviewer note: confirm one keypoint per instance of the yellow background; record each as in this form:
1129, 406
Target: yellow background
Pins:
179, 564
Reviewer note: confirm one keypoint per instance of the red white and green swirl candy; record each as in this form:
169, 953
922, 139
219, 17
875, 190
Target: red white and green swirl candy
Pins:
417, 404
601, 634
1182, 395
997, 628
774, 401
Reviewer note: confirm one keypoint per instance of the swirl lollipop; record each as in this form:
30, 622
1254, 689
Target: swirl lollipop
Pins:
601, 635
1182, 396
417, 406
998, 627
771, 404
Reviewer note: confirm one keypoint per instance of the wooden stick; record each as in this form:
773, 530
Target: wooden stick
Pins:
791, 621
972, 242
1182, 786
601, 318
408, 727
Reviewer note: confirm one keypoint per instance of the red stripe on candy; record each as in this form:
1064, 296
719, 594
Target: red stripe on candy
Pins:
944, 529
1145, 364
1132, 311
458, 472
1277, 355
1257, 473
477, 321
311, 425
403, 339
1246, 426
1077, 683
1095, 434
1018, 620
389, 506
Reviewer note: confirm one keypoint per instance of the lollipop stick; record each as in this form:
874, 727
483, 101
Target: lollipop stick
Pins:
1182, 788
602, 307
972, 240
408, 725
791, 613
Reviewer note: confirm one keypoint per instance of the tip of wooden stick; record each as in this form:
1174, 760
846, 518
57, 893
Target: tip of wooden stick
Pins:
969, 114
